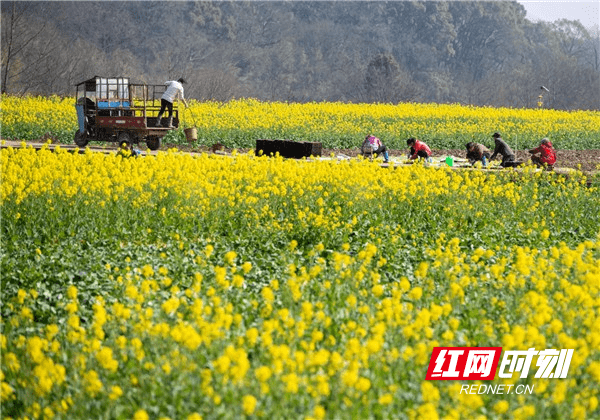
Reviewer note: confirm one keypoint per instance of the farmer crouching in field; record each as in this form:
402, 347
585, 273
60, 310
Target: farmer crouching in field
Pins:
508, 156
544, 154
418, 149
372, 145
477, 153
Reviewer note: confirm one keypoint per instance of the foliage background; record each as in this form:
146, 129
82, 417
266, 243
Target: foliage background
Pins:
484, 53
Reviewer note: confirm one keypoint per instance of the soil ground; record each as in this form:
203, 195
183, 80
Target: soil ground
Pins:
585, 160
589, 160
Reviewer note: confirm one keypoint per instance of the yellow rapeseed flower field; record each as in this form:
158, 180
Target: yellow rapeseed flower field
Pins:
238, 123
188, 287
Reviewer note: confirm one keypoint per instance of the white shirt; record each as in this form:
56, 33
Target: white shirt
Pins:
174, 90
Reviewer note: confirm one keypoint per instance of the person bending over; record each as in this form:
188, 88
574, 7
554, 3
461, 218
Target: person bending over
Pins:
477, 153
503, 149
373, 145
418, 149
544, 154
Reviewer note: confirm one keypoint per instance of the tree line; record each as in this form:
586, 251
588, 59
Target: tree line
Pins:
480, 53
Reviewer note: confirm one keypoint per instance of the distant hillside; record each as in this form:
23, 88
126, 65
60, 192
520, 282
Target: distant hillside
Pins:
483, 53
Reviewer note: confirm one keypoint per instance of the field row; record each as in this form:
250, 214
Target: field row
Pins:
178, 286
239, 123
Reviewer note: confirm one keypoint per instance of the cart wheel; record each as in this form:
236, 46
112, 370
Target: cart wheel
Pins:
153, 142
81, 139
124, 137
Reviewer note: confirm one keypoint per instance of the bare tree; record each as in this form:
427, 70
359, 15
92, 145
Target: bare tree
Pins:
384, 81
474, 52
19, 38
572, 37
213, 84
79, 62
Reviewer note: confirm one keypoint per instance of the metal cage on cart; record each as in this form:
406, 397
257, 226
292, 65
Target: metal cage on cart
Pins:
112, 109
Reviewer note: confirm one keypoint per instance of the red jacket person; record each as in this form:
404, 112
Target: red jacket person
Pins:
418, 149
543, 154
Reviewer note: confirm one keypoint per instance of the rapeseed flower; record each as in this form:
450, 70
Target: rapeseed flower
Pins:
339, 309
248, 404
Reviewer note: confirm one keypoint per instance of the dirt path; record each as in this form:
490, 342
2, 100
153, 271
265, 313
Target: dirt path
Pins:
585, 160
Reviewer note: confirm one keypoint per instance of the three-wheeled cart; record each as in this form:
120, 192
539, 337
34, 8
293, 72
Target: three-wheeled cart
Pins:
111, 109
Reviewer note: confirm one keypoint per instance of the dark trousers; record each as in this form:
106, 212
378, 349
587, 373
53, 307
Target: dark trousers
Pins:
164, 104
508, 161
370, 151
421, 153
380, 150
475, 156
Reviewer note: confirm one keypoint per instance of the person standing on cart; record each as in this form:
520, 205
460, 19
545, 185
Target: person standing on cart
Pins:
174, 91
